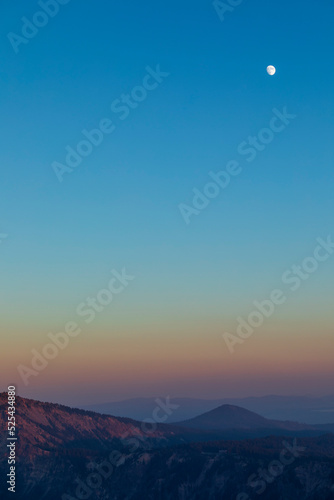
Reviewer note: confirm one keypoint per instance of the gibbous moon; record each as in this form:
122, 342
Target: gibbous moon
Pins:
271, 70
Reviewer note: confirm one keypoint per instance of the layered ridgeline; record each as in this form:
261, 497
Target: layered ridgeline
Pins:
65, 453
310, 410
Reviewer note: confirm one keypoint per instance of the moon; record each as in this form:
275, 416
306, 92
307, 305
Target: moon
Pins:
271, 70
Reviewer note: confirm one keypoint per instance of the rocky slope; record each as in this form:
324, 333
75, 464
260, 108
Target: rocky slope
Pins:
47, 426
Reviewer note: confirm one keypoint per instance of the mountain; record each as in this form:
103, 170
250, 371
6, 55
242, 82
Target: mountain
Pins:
47, 426
43, 427
306, 409
310, 410
233, 417
65, 454
228, 417
141, 408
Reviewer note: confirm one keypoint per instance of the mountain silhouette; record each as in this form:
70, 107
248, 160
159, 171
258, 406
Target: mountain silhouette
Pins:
234, 417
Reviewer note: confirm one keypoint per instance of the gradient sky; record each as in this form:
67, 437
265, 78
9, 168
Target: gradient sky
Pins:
119, 208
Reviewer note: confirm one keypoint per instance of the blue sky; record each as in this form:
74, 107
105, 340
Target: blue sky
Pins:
120, 206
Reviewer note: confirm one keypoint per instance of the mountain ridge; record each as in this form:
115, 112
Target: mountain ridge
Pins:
307, 409
60, 447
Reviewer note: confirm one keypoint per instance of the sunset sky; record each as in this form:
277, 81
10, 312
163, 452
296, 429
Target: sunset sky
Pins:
163, 333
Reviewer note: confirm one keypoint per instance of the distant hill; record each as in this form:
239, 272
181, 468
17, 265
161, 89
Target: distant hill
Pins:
233, 417
309, 410
228, 417
306, 409
141, 408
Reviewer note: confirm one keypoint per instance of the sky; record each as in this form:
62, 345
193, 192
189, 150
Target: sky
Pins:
64, 230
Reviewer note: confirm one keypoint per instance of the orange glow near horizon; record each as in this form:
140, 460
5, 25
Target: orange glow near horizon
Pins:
181, 363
